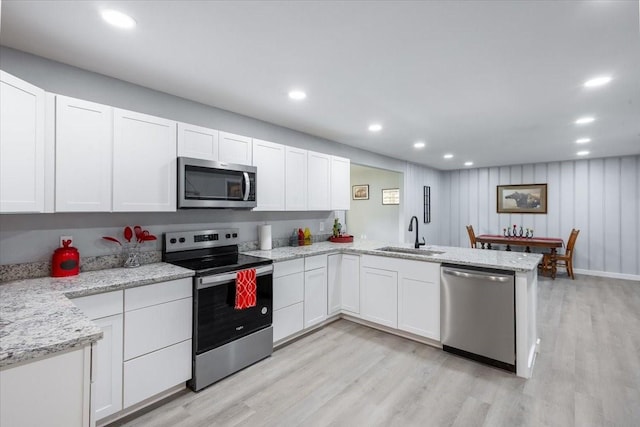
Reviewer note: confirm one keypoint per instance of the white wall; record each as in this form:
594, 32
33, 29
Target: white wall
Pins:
371, 218
601, 197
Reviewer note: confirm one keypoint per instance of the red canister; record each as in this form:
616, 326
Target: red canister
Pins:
66, 261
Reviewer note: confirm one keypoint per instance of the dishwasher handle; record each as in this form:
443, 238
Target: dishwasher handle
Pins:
476, 275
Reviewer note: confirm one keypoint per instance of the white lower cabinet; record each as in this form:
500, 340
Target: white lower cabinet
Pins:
315, 290
419, 299
379, 296
105, 310
146, 344
334, 284
350, 283
288, 297
157, 338
52, 391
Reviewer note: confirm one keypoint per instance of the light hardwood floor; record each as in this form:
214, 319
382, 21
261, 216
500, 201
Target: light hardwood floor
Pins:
587, 374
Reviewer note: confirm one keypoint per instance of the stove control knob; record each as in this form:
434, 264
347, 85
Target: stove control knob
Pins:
173, 240
235, 235
228, 236
182, 240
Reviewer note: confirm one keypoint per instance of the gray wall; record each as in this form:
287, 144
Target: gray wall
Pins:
371, 218
27, 238
601, 197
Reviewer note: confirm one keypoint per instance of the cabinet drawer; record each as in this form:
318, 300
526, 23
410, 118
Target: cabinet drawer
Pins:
100, 305
152, 328
157, 293
288, 290
285, 268
156, 372
316, 261
287, 321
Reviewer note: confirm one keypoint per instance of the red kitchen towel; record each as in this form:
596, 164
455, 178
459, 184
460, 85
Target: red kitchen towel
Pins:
246, 289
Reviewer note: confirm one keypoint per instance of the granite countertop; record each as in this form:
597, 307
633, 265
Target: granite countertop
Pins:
37, 317
514, 261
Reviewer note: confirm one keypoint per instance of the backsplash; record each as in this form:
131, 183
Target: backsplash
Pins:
33, 270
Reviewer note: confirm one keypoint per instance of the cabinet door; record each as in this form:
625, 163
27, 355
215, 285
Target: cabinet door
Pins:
334, 284
315, 296
156, 372
350, 283
22, 145
288, 290
379, 292
144, 163
234, 149
318, 181
197, 142
419, 299
52, 391
83, 156
340, 183
287, 321
295, 179
269, 157
108, 372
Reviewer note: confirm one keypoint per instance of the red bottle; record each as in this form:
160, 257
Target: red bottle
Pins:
66, 261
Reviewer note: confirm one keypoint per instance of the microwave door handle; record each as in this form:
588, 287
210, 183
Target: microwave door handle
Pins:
247, 186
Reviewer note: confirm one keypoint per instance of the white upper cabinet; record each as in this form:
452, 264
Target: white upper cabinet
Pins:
340, 183
197, 142
269, 158
22, 145
144, 163
83, 156
234, 148
295, 179
318, 181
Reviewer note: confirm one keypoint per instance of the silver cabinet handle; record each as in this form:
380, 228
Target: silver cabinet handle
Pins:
220, 279
481, 276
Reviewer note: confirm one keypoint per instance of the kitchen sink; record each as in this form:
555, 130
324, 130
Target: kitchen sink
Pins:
410, 251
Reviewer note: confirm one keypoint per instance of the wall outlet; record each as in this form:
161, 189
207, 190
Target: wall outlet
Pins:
321, 226
63, 238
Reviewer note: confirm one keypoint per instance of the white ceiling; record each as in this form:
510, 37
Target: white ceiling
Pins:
494, 82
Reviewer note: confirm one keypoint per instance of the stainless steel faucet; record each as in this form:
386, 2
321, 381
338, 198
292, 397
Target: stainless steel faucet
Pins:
417, 244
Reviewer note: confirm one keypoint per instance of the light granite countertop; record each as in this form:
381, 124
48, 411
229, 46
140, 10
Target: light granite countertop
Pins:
514, 261
37, 318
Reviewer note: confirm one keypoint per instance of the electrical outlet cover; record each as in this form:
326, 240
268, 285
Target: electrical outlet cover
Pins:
321, 226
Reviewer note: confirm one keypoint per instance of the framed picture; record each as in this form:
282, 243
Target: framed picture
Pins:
525, 198
360, 192
391, 196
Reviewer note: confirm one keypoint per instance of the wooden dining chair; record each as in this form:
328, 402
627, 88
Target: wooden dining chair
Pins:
472, 236
566, 259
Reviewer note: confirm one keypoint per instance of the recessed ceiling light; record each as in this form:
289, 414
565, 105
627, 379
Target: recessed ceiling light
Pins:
584, 120
118, 19
597, 81
583, 140
297, 95
582, 153
419, 144
448, 156
375, 127
468, 163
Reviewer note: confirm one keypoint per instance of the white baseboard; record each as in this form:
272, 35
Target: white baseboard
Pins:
607, 274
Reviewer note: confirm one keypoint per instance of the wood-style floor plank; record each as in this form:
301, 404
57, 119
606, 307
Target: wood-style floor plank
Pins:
587, 374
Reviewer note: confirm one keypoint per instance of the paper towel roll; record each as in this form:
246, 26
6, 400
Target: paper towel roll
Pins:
264, 233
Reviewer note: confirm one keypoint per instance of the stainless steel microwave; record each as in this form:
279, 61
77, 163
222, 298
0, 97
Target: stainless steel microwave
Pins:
210, 184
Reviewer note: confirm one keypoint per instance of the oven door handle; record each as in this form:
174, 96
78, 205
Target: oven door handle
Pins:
221, 279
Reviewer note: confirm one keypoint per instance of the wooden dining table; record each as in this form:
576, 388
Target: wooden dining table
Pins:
551, 243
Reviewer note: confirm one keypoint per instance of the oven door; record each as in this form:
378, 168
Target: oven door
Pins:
209, 184
217, 321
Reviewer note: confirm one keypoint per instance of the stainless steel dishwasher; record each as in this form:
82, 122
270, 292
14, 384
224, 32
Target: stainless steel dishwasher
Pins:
477, 314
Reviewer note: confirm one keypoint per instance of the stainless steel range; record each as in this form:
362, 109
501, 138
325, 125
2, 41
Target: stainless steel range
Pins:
225, 338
